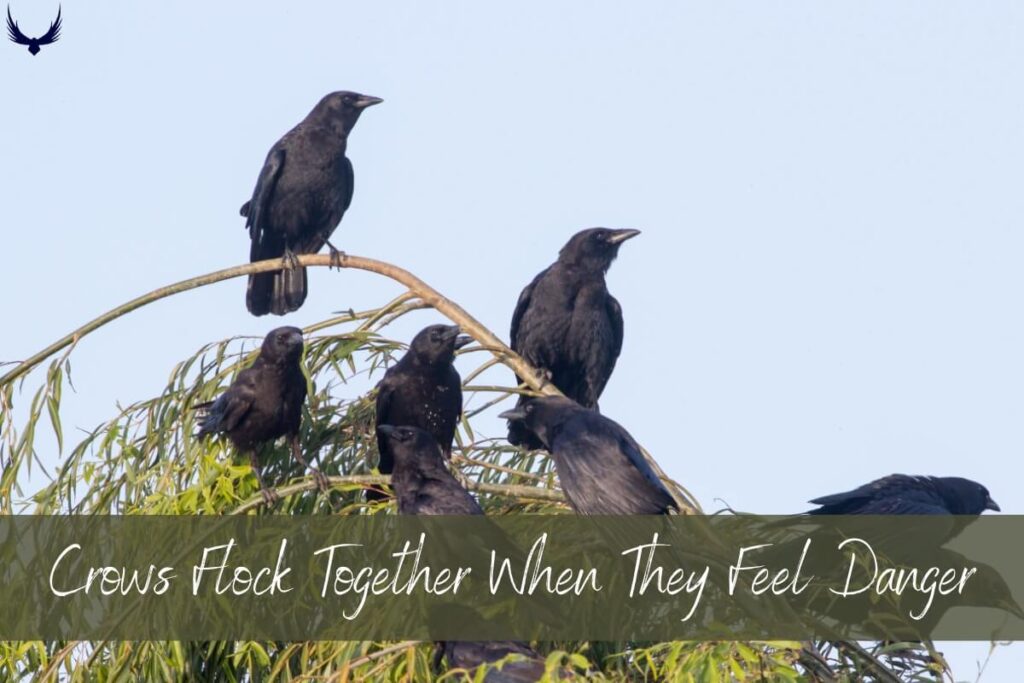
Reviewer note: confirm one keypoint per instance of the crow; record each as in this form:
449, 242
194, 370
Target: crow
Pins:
568, 325
34, 44
424, 486
263, 404
901, 494
302, 193
421, 480
423, 390
601, 468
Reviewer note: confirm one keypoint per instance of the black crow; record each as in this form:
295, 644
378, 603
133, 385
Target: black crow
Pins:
901, 494
421, 480
424, 486
423, 390
302, 193
567, 324
264, 403
601, 468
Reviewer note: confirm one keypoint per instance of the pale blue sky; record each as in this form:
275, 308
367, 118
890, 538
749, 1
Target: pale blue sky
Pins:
828, 284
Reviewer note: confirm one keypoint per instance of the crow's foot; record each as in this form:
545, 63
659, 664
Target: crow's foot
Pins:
321, 480
336, 255
270, 497
289, 260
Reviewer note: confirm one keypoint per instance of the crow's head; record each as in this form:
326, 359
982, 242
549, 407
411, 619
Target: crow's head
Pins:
963, 496
282, 345
544, 416
409, 445
341, 109
595, 248
436, 344
987, 588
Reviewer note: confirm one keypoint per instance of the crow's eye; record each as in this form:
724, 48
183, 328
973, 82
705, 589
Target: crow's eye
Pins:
601, 235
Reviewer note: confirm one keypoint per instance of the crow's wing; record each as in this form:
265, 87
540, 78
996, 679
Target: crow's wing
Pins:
335, 203
259, 205
228, 410
14, 33
659, 495
53, 34
385, 393
348, 182
902, 505
522, 305
614, 477
894, 494
618, 329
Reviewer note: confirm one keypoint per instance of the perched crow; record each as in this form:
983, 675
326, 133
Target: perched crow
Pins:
264, 403
302, 193
423, 390
601, 468
901, 494
567, 324
424, 486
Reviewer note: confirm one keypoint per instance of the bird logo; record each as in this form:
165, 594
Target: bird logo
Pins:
15, 34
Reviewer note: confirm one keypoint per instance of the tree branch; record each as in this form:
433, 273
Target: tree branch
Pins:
367, 480
470, 325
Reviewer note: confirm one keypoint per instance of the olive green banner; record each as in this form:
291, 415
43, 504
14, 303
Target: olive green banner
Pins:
552, 577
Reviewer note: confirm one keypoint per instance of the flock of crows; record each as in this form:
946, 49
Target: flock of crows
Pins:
565, 323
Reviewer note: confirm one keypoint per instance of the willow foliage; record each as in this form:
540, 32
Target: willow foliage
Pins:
145, 460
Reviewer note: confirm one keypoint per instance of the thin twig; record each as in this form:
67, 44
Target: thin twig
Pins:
370, 480
473, 462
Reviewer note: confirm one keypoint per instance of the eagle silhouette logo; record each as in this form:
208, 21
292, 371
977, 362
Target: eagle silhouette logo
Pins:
15, 34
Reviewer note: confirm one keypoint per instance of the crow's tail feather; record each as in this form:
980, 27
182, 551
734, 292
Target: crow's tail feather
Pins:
208, 420
279, 292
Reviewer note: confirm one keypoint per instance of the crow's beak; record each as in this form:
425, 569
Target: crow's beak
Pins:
365, 101
1010, 605
386, 430
992, 505
452, 335
514, 414
620, 236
